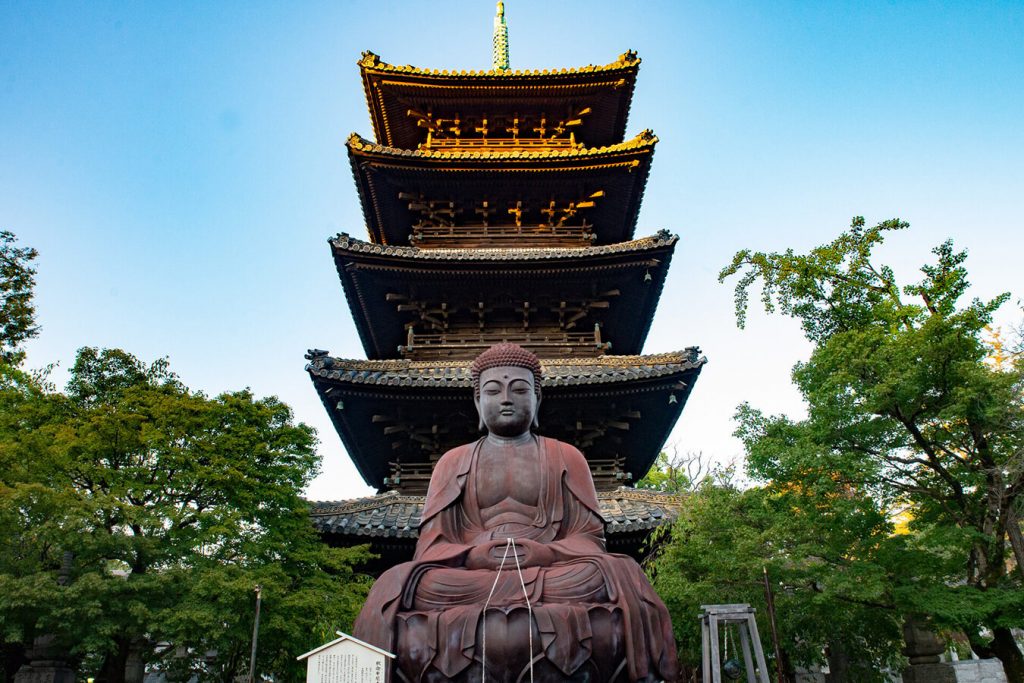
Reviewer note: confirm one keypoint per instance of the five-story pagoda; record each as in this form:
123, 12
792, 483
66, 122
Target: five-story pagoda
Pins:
501, 206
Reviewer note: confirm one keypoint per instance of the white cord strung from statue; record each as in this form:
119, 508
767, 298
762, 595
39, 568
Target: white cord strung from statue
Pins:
529, 610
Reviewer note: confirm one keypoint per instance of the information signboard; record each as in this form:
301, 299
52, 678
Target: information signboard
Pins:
347, 660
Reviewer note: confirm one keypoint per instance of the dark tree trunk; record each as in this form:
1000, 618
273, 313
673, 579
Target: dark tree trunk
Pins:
687, 673
135, 665
1005, 648
14, 657
230, 671
788, 668
838, 664
114, 662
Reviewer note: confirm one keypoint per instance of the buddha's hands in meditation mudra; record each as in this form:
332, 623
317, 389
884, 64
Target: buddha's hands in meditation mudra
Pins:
490, 555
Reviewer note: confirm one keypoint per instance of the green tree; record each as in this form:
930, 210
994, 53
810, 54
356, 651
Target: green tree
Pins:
17, 312
673, 472
903, 408
828, 553
174, 505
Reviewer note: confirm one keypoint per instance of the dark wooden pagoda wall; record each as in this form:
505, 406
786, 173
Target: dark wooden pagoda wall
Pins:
409, 413
536, 198
566, 303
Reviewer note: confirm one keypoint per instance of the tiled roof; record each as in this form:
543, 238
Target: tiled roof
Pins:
645, 140
394, 515
344, 242
455, 374
370, 61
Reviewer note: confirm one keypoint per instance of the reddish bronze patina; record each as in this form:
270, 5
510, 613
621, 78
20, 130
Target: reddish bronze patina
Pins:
595, 617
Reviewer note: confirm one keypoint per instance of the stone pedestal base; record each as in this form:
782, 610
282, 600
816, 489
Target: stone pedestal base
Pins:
923, 649
979, 671
938, 672
43, 672
47, 663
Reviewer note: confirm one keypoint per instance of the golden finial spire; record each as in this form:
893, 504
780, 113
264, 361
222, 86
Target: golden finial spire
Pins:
500, 53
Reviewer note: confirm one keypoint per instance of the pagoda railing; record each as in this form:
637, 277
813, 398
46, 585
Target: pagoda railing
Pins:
609, 474
461, 344
502, 235
500, 144
412, 478
409, 478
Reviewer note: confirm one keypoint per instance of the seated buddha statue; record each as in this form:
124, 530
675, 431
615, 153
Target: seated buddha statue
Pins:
550, 604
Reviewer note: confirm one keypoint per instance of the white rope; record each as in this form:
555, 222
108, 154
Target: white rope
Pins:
483, 620
529, 609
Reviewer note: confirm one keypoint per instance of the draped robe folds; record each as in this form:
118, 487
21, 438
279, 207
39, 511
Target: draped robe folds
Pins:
568, 522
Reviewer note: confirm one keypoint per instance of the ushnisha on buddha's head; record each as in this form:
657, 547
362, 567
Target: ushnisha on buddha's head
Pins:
506, 389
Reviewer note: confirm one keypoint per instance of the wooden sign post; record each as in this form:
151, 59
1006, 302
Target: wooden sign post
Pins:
347, 660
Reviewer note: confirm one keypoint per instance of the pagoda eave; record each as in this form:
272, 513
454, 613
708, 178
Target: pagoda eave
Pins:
403, 192
394, 290
614, 408
390, 521
394, 93
507, 159
371, 63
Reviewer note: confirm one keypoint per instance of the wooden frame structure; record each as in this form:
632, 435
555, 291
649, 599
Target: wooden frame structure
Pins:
711, 619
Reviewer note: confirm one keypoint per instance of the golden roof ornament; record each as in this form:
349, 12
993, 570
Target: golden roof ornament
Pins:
499, 58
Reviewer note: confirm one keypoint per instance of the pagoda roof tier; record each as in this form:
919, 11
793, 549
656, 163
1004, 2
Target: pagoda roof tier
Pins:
568, 197
588, 103
395, 515
613, 408
390, 521
453, 303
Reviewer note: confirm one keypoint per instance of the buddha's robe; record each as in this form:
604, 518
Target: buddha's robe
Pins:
430, 608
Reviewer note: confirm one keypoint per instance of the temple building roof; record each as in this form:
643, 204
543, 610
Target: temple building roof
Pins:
345, 242
456, 375
389, 522
589, 103
453, 303
644, 140
394, 515
564, 197
397, 413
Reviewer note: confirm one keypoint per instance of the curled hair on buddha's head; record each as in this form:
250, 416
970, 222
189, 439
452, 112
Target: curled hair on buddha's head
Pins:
505, 355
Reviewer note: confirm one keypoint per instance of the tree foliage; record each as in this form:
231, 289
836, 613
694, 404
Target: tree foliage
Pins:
674, 472
17, 311
904, 408
827, 553
174, 506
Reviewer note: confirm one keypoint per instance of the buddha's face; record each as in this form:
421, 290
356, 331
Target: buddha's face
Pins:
507, 402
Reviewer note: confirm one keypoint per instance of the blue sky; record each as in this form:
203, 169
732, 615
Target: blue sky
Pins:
180, 166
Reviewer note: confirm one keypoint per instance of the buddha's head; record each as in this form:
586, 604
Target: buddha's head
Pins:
506, 388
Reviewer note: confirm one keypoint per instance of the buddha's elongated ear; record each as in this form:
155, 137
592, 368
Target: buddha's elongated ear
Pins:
479, 415
536, 413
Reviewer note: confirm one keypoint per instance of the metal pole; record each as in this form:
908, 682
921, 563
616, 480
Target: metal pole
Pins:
770, 600
255, 635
